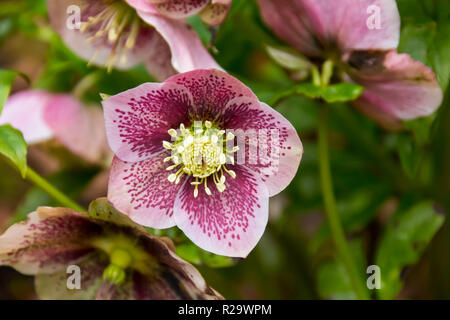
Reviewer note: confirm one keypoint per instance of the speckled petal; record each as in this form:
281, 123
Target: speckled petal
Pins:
396, 86
179, 9
49, 241
211, 91
228, 223
141, 191
137, 120
268, 143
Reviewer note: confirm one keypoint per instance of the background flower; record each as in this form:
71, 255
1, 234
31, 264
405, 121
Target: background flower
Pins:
396, 86
42, 116
52, 239
113, 34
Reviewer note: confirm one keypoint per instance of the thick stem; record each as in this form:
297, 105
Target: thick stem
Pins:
52, 191
331, 209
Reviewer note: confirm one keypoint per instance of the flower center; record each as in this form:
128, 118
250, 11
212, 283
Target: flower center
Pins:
118, 25
120, 261
124, 254
200, 151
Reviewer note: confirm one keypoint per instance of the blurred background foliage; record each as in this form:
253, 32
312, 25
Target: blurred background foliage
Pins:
392, 188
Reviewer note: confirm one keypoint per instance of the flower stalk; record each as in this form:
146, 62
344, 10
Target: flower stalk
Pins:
337, 231
64, 200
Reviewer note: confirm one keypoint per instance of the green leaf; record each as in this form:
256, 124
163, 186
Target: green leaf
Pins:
6, 80
421, 129
341, 92
14, 147
190, 252
288, 58
403, 242
309, 90
333, 280
424, 35
409, 154
216, 261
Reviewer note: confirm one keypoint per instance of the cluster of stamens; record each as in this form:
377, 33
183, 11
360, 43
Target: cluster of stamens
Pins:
200, 151
119, 25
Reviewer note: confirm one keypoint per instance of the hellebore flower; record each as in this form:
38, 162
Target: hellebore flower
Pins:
348, 33
212, 12
118, 33
42, 116
115, 258
199, 181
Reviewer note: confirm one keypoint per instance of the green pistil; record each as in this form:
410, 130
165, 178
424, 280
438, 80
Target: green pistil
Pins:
120, 261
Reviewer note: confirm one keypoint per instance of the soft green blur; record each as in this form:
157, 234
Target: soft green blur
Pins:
392, 188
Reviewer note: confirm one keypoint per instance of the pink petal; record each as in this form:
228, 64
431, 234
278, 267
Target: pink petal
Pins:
81, 129
25, 112
49, 241
211, 91
179, 9
159, 59
277, 149
137, 120
188, 52
141, 191
144, 5
216, 12
229, 223
396, 86
313, 26
290, 20
149, 48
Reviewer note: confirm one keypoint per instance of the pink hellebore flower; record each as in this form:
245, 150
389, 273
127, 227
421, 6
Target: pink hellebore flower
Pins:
121, 34
42, 116
346, 31
115, 258
194, 181
212, 12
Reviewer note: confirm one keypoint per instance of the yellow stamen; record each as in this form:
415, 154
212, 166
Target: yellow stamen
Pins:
200, 152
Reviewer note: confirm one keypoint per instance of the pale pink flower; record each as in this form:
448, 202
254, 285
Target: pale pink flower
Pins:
115, 258
347, 32
122, 34
42, 116
195, 182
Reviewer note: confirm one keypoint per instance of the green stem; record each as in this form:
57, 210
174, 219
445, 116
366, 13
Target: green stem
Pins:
331, 209
52, 191
85, 84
